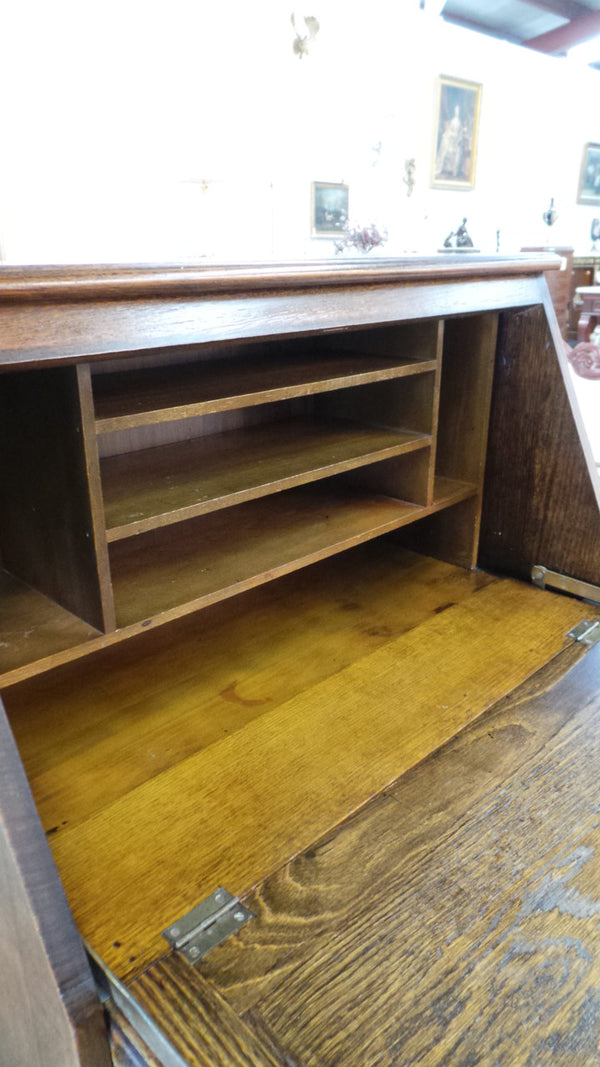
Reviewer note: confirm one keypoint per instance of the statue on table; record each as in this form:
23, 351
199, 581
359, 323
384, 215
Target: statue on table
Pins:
458, 238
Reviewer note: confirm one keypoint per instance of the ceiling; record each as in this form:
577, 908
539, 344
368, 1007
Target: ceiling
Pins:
554, 27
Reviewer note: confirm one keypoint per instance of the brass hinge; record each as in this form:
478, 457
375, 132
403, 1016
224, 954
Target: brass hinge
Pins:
207, 925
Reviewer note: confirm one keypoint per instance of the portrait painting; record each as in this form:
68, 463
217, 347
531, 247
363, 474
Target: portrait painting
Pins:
589, 175
456, 130
329, 209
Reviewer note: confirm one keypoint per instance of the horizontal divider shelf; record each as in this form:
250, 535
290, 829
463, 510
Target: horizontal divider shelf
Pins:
33, 627
59, 637
216, 556
159, 486
132, 398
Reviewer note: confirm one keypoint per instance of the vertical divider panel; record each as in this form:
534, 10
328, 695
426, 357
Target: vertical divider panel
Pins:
465, 372
465, 395
435, 411
48, 520
98, 524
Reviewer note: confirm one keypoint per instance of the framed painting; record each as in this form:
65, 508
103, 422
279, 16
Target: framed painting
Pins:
329, 209
456, 130
589, 175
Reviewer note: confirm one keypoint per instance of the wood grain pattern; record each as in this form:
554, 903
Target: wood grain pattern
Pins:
300, 908
49, 1013
47, 521
51, 333
541, 501
196, 1020
161, 394
33, 627
108, 281
174, 692
453, 921
63, 640
155, 487
225, 553
126, 1046
334, 745
481, 946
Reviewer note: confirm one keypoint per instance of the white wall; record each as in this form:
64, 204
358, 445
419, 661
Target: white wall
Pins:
133, 130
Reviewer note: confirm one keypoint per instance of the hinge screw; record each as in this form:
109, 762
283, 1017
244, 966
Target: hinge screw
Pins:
175, 931
194, 951
239, 916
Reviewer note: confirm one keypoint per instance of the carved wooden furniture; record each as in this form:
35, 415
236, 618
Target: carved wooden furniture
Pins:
589, 310
175, 440
585, 268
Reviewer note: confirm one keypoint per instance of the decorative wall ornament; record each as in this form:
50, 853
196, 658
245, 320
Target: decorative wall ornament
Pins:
307, 28
409, 175
589, 175
551, 214
458, 105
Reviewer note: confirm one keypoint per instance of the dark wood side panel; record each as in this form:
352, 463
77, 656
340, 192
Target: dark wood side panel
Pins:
49, 1013
48, 534
540, 502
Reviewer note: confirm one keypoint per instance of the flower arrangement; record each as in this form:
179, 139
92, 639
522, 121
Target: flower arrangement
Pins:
363, 238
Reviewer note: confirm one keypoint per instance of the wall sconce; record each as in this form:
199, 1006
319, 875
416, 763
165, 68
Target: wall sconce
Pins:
305, 34
550, 216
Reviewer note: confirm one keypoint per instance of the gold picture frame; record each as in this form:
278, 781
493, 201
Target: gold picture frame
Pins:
456, 133
588, 191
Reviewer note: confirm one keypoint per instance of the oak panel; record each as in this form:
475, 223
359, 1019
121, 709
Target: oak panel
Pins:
480, 942
134, 867
154, 487
158, 394
157, 701
541, 500
301, 908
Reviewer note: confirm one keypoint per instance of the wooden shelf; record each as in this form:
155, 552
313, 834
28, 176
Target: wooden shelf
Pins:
207, 559
163, 394
448, 491
158, 486
33, 627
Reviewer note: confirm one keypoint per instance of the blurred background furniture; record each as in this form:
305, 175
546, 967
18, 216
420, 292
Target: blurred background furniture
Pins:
588, 302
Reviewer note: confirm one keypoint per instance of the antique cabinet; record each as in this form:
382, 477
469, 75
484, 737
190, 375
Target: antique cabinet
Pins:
176, 441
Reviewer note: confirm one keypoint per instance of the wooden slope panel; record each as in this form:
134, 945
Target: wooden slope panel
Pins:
454, 920
49, 509
237, 809
49, 1013
540, 503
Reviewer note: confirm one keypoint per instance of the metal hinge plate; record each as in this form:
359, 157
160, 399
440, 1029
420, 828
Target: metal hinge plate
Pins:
587, 633
544, 578
207, 925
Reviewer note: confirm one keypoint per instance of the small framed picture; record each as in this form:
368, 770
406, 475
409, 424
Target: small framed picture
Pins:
589, 176
329, 209
455, 133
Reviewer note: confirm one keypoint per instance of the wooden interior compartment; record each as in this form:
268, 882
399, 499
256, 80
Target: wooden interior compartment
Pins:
51, 524
166, 766
33, 627
223, 378
285, 444
169, 571
465, 397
